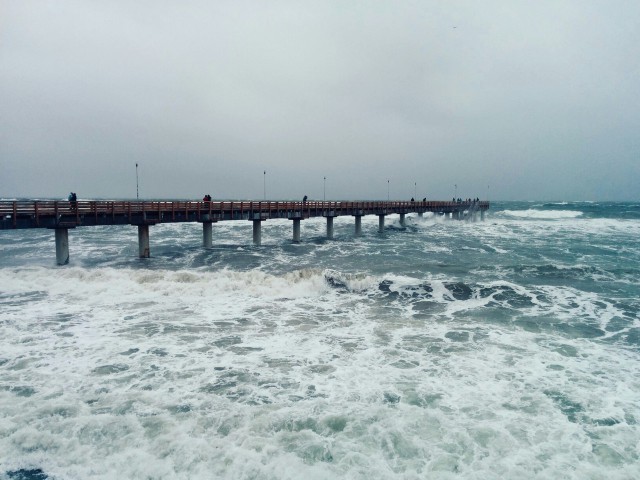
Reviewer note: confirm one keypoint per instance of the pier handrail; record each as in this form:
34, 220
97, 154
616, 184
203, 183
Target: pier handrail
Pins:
190, 210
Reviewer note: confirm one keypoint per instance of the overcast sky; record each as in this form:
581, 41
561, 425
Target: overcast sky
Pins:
509, 99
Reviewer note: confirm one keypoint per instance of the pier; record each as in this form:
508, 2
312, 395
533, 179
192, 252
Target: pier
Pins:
64, 215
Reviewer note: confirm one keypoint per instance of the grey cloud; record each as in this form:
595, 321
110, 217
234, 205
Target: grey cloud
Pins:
537, 99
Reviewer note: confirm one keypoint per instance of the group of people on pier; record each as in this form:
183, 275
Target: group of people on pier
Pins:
73, 198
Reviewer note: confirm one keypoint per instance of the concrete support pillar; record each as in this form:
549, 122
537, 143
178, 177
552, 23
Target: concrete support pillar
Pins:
296, 230
482, 215
449, 215
207, 234
62, 246
358, 226
381, 223
257, 232
402, 222
420, 214
143, 241
329, 228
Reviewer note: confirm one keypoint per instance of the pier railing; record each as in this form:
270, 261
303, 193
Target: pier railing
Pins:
53, 214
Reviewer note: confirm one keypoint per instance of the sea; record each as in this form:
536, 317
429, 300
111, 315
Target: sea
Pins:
507, 348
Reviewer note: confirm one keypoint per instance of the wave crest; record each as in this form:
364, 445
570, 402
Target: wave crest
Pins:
541, 214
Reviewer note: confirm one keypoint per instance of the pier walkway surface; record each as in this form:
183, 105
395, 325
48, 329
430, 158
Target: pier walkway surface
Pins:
63, 215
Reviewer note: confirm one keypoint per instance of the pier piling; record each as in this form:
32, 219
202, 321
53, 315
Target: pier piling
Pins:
62, 246
257, 232
358, 225
143, 241
296, 230
207, 234
330, 228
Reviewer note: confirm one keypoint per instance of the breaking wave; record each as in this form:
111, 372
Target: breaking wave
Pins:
540, 214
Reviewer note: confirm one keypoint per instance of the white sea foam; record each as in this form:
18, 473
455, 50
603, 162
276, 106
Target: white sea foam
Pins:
446, 350
243, 374
540, 214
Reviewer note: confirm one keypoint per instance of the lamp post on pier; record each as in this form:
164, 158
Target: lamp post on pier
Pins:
264, 184
324, 189
137, 194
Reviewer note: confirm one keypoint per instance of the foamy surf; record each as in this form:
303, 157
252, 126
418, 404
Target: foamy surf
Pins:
541, 214
494, 349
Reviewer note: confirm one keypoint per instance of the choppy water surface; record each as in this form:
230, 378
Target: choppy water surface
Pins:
507, 348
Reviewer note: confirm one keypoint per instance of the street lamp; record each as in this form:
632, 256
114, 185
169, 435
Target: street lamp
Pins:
324, 189
264, 184
137, 194
415, 189
455, 191
387, 190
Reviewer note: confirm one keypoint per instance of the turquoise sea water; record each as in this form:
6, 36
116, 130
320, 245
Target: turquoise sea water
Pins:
507, 348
